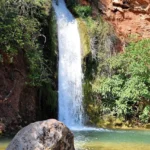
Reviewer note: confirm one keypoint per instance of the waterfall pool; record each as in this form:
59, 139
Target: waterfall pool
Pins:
105, 140
112, 140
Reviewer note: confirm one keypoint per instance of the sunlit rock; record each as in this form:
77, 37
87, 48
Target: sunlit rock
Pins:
43, 135
129, 17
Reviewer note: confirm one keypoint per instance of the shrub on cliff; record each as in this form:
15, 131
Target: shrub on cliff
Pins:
21, 24
82, 11
102, 41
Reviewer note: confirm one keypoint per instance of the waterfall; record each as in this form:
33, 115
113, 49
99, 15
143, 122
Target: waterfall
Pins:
70, 73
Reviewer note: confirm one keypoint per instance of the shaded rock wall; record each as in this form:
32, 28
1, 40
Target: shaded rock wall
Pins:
21, 103
16, 98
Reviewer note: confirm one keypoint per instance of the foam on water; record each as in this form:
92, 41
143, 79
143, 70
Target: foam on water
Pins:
84, 128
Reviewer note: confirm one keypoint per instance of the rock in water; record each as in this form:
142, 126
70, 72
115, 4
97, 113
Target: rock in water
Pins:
43, 135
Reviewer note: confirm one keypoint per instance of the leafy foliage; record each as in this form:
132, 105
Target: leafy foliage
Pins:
128, 87
21, 23
82, 11
116, 84
101, 42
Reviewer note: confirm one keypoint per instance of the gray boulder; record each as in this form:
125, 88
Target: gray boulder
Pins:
43, 135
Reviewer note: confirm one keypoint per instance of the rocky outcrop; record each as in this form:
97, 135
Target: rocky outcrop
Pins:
129, 17
44, 135
16, 97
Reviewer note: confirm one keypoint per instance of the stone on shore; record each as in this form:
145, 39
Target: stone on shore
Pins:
43, 135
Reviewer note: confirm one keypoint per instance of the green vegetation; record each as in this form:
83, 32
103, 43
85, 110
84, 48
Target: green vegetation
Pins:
116, 85
96, 48
102, 40
85, 39
82, 11
21, 28
126, 90
28, 31
121, 87
48, 92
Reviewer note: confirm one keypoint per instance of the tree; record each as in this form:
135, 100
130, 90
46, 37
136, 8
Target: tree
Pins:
128, 89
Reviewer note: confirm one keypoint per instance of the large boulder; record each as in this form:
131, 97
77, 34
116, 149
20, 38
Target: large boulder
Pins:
43, 135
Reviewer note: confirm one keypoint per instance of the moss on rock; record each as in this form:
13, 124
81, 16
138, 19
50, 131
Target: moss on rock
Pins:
85, 39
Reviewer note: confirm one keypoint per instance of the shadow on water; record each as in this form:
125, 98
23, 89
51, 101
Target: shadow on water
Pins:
4, 142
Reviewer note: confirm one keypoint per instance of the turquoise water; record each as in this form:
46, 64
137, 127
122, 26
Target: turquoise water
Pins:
113, 140
105, 140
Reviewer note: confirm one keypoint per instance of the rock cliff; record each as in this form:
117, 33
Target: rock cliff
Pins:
17, 100
127, 16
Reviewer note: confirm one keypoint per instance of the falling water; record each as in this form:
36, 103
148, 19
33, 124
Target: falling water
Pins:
70, 72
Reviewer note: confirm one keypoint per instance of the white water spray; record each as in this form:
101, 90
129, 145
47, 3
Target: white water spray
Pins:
70, 72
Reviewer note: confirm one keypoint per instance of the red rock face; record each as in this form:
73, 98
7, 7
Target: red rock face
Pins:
17, 100
84, 2
127, 16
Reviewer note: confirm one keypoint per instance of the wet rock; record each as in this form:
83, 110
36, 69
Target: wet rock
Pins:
147, 126
118, 123
43, 135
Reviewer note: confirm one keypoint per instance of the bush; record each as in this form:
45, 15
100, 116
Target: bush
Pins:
20, 29
128, 85
82, 11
